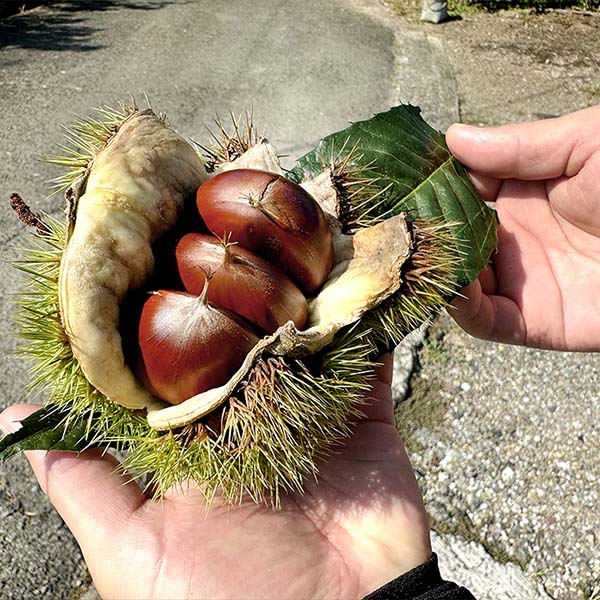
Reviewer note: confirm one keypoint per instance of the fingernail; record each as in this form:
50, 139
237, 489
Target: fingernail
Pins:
463, 127
9, 426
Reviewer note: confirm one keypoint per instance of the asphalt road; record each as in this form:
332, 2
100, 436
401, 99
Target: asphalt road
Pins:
305, 67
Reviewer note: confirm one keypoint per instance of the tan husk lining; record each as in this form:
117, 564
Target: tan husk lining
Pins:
132, 194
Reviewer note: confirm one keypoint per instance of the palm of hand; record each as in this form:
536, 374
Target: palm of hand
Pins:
362, 525
544, 283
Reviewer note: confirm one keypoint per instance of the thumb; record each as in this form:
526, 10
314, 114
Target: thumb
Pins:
94, 500
537, 150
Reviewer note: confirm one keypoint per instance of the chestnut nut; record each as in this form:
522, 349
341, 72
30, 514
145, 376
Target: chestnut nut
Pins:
240, 281
272, 216
189, 346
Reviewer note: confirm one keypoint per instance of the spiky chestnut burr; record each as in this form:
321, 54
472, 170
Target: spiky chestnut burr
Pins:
294, 397
272, 216
240, 281
189, 346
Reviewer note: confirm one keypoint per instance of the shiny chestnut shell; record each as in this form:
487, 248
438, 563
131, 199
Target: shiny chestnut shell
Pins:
273, 217
240, 281
189, 346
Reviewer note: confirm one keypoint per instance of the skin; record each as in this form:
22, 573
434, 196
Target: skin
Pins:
542, 288
362, 525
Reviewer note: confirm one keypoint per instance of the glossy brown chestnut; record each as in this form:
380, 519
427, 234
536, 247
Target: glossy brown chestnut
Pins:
272, 216
188, 346
240, 281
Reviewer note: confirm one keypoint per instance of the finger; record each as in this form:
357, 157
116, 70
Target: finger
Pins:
536, 150
488, 187
466, 306
94, 500
488, 281
468, 299
385, 369
493, 318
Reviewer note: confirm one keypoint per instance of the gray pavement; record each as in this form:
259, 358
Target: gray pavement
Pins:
505, 442
306, 68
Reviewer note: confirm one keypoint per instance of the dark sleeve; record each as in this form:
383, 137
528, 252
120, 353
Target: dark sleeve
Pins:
422, 583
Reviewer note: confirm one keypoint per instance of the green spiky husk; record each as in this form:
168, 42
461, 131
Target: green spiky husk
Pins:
280, 422
288, 413
228, 143
85, 138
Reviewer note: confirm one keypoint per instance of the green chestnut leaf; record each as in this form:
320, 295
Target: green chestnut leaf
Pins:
410, 163
45, 429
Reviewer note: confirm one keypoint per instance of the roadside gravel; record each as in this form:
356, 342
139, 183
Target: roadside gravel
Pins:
505, 443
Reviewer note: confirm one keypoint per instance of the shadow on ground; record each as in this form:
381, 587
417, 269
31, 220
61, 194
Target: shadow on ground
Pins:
65, 26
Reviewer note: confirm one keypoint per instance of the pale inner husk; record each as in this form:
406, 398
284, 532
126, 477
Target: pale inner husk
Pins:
133, 194
366, 271
261, 156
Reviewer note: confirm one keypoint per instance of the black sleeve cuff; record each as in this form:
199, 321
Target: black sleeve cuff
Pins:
421, 583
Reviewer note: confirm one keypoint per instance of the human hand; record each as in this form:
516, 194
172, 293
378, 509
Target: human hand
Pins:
543, 286
361, 525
